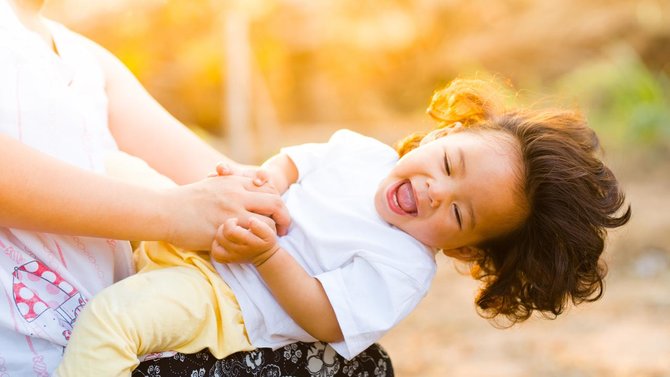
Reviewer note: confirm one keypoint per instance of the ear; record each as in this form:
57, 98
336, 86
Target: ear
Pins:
465, 253
440, 132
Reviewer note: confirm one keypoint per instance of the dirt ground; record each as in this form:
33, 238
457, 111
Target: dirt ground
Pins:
625, 334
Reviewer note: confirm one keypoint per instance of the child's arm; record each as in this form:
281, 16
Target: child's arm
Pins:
300, 294
282, 172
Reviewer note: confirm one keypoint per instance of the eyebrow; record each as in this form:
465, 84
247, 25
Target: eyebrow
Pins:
471, 212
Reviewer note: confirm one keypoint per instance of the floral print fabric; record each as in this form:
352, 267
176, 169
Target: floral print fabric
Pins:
293, 360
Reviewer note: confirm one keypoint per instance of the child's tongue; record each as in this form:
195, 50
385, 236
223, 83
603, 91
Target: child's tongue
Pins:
405, 197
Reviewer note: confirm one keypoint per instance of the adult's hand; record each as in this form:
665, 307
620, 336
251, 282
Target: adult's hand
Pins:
195, 211
261, 179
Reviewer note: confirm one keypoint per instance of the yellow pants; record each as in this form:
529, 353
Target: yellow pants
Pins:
175, 302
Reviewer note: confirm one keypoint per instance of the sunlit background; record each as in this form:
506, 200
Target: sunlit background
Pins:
253, 75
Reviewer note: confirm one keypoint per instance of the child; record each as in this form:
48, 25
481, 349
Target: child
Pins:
520, 195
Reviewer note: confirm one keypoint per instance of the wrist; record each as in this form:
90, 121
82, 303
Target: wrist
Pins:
263, 257
161, 218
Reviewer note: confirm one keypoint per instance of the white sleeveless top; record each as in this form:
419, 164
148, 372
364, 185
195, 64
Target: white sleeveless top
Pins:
55, 103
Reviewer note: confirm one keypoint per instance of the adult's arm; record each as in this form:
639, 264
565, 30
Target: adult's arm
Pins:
143, 128
39, 192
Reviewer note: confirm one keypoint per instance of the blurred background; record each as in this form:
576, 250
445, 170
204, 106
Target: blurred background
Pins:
254, 75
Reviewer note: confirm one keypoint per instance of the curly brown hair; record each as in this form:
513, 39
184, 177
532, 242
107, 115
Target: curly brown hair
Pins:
553, 257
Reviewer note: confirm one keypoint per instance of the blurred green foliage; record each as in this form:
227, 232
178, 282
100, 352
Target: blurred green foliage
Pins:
626, 102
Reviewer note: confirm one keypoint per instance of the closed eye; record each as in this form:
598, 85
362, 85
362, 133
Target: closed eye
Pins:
447, 168
457, 213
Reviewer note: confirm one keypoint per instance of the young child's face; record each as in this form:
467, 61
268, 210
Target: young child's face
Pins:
455, 191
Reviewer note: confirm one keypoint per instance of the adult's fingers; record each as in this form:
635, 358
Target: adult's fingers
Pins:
273, 207
223, 169
255, 200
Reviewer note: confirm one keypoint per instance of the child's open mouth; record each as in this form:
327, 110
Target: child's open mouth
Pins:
401, 199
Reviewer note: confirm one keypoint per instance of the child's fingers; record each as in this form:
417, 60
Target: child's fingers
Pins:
232, 232
222, 247
240, 237
219, 253
231, 243
229, 234
261, 230
220, 236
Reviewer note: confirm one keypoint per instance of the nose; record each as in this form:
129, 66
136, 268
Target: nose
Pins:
439, 191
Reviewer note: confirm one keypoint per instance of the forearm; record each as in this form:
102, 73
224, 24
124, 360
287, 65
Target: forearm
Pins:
301, 295
38, 192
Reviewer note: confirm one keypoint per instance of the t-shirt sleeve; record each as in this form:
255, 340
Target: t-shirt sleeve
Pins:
369, 299
308, 157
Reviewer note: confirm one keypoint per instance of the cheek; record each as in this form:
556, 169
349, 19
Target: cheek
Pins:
397, 170
405, 164
432, 233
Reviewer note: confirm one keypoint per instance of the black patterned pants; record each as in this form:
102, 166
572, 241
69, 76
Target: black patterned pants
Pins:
294, 360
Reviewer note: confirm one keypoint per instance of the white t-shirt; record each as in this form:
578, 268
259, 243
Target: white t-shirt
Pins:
373, 273
56, 104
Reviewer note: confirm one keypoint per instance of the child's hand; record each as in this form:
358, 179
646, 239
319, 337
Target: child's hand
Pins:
258, 175
190, 215
236, 244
